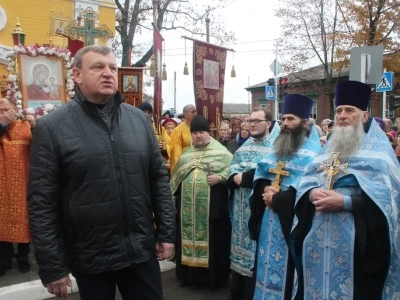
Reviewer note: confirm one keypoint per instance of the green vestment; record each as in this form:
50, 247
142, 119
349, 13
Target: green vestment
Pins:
191, 172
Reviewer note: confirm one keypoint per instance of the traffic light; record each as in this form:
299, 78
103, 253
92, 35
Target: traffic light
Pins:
271, 82
283, 85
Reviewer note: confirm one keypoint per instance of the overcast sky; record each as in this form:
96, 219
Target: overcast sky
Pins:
255, 28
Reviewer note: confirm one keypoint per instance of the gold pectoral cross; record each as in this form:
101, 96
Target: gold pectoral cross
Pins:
331, 167
196, 171
278, 173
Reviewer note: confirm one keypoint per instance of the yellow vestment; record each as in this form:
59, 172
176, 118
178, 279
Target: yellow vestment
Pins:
181, 138
164, 135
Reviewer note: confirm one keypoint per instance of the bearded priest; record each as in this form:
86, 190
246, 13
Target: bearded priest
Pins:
273, 198
346, 231
203, 224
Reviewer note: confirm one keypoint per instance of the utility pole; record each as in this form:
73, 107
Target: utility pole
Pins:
175, 92
208, 26
384, 101
249, 95
276, 83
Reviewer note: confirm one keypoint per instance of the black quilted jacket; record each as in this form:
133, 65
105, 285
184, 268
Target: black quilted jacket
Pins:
92, 191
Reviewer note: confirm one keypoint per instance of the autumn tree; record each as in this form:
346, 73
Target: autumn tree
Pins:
369, 23
135, 17
309, 39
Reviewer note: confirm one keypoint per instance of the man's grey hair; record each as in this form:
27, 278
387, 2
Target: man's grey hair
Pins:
104, 50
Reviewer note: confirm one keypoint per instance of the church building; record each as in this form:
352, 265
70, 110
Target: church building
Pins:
37, 43
44, 22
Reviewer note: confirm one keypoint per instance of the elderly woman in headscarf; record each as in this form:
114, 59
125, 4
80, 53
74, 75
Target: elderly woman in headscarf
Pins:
241, 137
169, 125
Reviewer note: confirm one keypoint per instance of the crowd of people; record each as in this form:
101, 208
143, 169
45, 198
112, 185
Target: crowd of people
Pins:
285, 209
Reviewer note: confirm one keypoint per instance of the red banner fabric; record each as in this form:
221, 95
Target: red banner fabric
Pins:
158, 47
74, 46
209, 62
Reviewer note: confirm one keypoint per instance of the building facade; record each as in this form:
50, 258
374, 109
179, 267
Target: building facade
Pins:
311, 82
42, 21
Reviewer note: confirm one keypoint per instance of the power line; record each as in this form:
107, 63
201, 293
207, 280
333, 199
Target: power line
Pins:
230, 44
236, 52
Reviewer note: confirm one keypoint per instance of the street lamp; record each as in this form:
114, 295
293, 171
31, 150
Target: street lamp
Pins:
18, 35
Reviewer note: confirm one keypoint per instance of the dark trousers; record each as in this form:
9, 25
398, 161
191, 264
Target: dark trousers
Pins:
242, 287
7, 253
140, 282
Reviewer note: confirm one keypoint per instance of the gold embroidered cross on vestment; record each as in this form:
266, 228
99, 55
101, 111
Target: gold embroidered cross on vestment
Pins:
197, 161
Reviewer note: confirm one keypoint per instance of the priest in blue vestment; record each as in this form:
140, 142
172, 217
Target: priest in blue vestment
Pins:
273, 198
241, 174
345, 236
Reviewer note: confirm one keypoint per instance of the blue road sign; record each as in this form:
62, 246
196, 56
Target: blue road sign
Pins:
386, 83
270, 92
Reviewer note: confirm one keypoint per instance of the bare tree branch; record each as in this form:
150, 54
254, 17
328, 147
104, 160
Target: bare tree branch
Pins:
136, 15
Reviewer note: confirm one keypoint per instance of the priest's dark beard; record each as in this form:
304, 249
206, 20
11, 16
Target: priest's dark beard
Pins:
289, 141
346, 140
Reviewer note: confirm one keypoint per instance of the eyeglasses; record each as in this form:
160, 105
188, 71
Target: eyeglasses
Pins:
255, 121
194, 111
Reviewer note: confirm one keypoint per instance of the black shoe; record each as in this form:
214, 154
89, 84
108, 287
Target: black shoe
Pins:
24, 266
3, 270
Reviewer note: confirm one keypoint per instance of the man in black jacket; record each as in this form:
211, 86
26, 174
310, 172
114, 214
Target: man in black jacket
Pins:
97, 186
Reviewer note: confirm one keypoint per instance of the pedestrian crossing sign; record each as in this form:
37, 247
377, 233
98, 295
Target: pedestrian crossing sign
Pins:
270, 92
386, 83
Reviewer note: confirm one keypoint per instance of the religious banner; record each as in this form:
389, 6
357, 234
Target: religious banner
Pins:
158, 47
74, 46
209, 63
130, 84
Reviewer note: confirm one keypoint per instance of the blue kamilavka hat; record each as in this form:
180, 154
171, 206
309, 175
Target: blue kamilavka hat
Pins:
353, 93
298, 105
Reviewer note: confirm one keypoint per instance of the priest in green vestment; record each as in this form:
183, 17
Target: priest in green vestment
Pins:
198, 184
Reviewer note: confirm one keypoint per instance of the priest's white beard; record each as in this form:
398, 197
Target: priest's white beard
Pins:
346, 140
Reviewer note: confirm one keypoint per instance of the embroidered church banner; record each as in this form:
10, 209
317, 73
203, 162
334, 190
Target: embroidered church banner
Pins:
209, 62
158, 45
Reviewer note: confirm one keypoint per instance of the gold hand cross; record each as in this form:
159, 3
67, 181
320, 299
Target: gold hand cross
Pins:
331, 167
278, 173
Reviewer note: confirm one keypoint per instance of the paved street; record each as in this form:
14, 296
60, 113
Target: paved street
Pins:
172, 291
171, 287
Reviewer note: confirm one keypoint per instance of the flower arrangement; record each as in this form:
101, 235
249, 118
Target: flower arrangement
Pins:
13, 89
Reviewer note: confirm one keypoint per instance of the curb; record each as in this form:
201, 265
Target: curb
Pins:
34, 290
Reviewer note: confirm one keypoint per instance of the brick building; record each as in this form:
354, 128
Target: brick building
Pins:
311, 82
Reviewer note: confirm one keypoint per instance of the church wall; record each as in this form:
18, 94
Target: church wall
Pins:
34, 17
107, 16
35, 20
